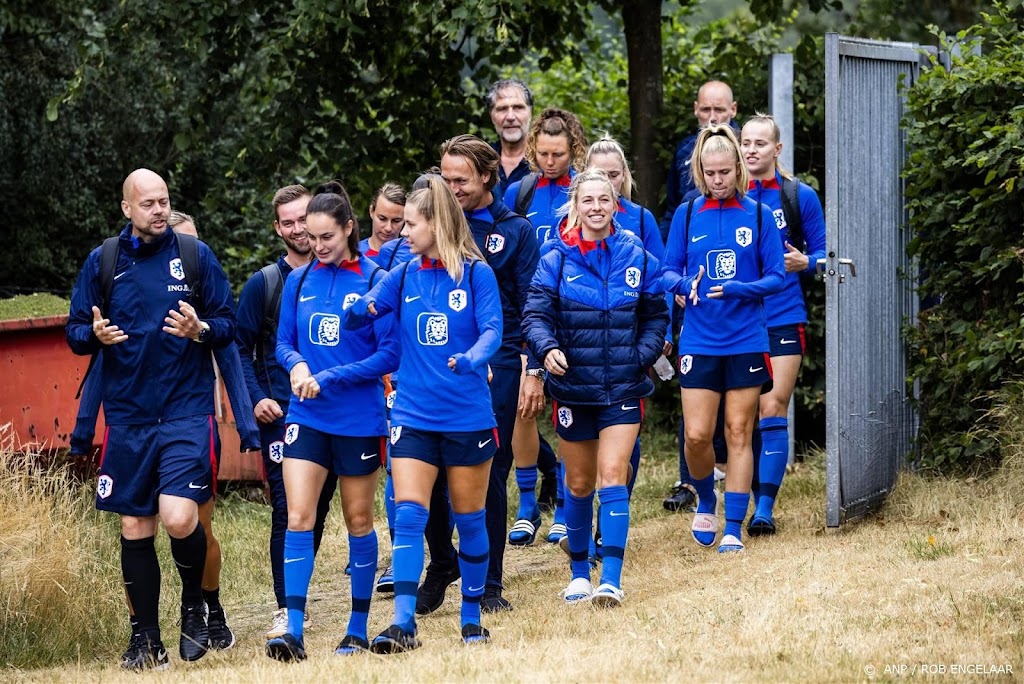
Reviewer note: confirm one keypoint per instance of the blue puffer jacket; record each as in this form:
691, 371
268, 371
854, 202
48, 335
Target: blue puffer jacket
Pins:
602, 304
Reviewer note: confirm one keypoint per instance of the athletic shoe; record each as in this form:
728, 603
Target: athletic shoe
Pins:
548, 492
195, 636
607, 596
730, 544
221, 637
143, 654
493, 601
279, 623
556, 532
475, 634
430, 594
580, 589
348, 568
682, 498
351, 645
524, 531
286, 648
386, 581
394, 639
761, 527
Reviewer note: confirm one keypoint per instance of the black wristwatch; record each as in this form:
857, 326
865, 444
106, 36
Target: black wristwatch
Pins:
204, 332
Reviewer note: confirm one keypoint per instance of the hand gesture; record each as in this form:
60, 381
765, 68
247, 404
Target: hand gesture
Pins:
298, 375
795, 260
183, 323
460, 364
267, 411
694, 298
555, 362
106, 333
308, 389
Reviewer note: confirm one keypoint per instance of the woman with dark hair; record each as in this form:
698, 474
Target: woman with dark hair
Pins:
337, 425
387, 216
449, 315
724, 255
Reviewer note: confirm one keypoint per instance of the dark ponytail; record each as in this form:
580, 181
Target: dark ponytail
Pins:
331, 198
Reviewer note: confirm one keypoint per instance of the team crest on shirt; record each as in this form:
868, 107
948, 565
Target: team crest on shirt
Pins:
780, 218
565, 416
721, 264
177, 270
350, 299
543, 234
104, 486
291, 433
276, 451
325, 329
744, 236
390, 401
432, 329
457, 300
633, 277
495, 243
396, 434
685, 364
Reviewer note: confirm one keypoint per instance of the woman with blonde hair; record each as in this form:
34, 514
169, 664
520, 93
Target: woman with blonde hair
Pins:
450, 320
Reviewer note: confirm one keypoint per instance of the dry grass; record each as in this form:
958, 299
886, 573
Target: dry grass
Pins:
933, 580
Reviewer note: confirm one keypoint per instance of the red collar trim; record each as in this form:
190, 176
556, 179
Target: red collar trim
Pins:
348, 265
731, 203
426, 262
574, 238
371, 252
770, 184
563, 181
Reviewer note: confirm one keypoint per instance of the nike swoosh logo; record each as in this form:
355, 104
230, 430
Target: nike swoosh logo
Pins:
784, 341
772, 453
754, 370
532, 213
573, 528
617, 515
195, 486
120, 274
628, 408
404, 546
480, 588
697, 238
294, 560
364, 565
364, 457
306, 299
481, 445
569, 279
411, 299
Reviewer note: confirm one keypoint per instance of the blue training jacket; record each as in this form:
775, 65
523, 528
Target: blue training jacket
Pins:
507, 241
787, 307
723, 238
264, 376
393, 253
347, 364
548, 198
602, 304
152, 376
439, 319
635, 219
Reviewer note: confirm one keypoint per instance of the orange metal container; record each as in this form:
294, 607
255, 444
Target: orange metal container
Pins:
41, 377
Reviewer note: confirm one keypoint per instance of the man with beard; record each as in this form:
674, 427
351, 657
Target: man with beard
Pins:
510, 103
268, 383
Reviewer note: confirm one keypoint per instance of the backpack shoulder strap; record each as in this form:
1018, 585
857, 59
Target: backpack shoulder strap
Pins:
401, 287
394, 253
273, 282
791, 210
525, 195
642, 236
188, 249
108, 263
374, 275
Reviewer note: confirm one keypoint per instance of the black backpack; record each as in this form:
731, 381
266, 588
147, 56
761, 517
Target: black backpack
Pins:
188, 249
791, 210
525, 194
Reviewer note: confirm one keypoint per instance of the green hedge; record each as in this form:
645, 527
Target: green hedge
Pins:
966, 213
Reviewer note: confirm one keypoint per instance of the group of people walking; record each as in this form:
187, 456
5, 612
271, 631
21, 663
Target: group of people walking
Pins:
429, 348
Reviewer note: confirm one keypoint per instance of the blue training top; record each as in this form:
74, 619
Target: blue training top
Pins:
724, 239
548, 198
439, 319
634, 218
787, 307
347, 364
393, 253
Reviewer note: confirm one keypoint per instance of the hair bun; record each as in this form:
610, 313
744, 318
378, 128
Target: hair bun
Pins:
334, 187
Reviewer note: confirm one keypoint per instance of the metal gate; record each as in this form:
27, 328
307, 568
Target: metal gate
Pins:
870, 424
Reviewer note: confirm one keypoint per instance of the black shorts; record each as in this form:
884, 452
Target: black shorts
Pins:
788, 340
723, 373
345, 456
444, 449
580, 423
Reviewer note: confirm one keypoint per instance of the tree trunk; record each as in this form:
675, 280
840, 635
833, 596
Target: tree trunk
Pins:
642, 22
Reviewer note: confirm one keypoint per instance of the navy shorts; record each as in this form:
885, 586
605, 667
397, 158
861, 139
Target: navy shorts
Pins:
345, 456
578, 423
444, 449
723, 373
140, 462
788, 340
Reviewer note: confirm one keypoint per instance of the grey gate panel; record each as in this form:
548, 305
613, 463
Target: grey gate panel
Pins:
870, 424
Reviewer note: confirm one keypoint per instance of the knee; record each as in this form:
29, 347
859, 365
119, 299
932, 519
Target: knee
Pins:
180, 522
360, 523
300, 521
774, 407
698, 439
137, 528
738, 434
577, 485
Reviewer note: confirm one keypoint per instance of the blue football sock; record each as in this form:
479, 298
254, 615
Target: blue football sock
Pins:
407, 559
560, 493
526, 479
614, 522
684, 470
474, 554
735, 510
707, 500
755, 447
772, 468
634, 460
298, 569
389, 505
363, 553
579, 516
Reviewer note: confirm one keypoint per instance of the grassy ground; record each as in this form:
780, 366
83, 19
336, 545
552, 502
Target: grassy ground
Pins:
26, 306
933, 581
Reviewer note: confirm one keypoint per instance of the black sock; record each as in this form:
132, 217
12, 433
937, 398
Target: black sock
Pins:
141, 571
190, 557
212, 598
